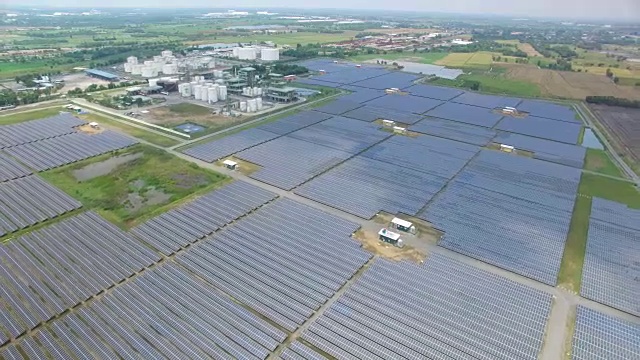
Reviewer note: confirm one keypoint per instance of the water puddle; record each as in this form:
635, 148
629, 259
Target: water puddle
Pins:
103, 167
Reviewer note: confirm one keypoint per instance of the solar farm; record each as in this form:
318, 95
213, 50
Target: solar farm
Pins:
270, 265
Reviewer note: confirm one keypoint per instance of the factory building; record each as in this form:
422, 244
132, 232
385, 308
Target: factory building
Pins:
282, 95
99, 74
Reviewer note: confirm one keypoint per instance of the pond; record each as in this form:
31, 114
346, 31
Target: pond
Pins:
190, 128
103, 167
590, 140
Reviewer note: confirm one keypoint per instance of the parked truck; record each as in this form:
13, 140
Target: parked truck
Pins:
390, 237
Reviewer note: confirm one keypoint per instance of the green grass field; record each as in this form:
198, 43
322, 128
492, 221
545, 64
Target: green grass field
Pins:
598, 161
423, 58
111, 194
494, 83
570, 274
8, 119
187, 109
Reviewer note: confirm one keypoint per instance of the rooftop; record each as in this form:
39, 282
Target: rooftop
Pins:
101, 73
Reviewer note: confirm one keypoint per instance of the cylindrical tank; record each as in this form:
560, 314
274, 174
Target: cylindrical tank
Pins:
259, 103
246, 54
254, 92
213, 95
270, 54
220, 82
169, 69
148, 63
243, 106
186, 92
193, 85
236, 51
153, 82
251, 105
197, 92
132, 60
149, 71
136, 69
127, 67
166, 53
204, 94
222, 96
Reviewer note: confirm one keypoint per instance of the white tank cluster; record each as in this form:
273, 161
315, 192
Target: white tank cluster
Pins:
184, 89
246, 53
164, 63
252, 91
218, 74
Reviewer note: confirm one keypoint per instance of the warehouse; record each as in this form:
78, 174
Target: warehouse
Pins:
102, 75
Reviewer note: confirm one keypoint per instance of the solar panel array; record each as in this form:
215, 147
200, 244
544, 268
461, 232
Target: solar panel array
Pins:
599, 336
360, 94
316, 82
561, 153
298, 351
351, 75
193, 221
407, 103
343, 134
466, 114
338, 107
517, 235
294, 122
34, 130
543, 128
486, 101
164, 313
284, 261
549, 110
533, 180
442, 310
11, 169
454, 130
53, 269
396, 79
398, 175
288, 162
612, 259
30, 200
217, 149
66, 149
370, 113
434, 92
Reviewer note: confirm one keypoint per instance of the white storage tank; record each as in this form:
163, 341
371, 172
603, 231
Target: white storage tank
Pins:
193, 85
259, 103
186, 90
252, 105
246, 54
166, 53
153, 82
213, 95
243, 106
169, 69
148, 63
149, 71
204, 94
196, 92
236, 51
270, 54
222, 95
254, 92
127, 67
136, 69
132, 60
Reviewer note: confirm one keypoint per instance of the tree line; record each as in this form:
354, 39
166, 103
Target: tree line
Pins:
613, 101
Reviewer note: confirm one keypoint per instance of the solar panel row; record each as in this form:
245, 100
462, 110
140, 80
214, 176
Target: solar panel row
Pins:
408, 103
599, 336
288, 162
612, 259
487, 101
454, 130
27, 201
434, 92
490, 226
442, 310
395, 79
163, 313
360, 94
50, 153
548, 110
55, 268
317, 82
342, 133
217, 149
299, 351
370, 113
565, 154
193, 221
30, 131
466, 114
294, 122
274, 262
11, 169
338, 107
350, 75
555, 130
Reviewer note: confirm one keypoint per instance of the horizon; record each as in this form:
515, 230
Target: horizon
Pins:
492, 8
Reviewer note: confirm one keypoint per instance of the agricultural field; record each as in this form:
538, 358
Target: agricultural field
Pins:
526, 47
293, 39
623, 127
423, 58
477, 60
493, 82
128, 185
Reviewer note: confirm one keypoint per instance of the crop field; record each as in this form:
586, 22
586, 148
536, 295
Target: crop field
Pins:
494, 82
598, 161
280, 39
423, 58
124, 191
477, 60
622, 124
568, 85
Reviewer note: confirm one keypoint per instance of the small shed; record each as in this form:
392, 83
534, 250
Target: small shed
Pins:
506, 148
390, 237
403, 225
388, 123
399, 130
230, 164
94, 125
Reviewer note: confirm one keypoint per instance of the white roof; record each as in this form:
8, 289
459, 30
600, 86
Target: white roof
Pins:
93, 123
509, 108
388, 121
230, 162
399, 128
403, 223
506, 146
389, 234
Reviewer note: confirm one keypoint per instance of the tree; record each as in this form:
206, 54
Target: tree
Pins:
139, 102
616, 79
609, 73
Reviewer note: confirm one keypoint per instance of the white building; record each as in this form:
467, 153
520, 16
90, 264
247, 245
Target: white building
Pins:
270, 54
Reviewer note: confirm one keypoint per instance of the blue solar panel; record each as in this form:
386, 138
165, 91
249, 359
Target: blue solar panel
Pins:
548, 110
360, 94
561, 153
466, 113
486, 101
294, 122
434, 92
371, 113
338, 107
406, 103
316, 82
391, 80
351, 75
342, 133
599, 336
217, 149
454, 130
542, 128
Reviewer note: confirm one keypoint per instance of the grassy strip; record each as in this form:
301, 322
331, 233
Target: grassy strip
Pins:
581, 135
134, 131
494, 83
610, 189
19, 117
598, 161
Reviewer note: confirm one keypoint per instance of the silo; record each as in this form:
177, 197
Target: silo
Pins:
166, 53
259, 104
204, 94
243, 106
251, 105
197, 92
222, 96
193, 86
132, 60
136, 69
213, 95
127, 67
270, 54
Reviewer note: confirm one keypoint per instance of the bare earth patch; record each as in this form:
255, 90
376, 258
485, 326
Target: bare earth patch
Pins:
526, 47
371, 243
87, 129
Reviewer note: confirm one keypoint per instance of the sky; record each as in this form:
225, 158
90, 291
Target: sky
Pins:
594, 9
